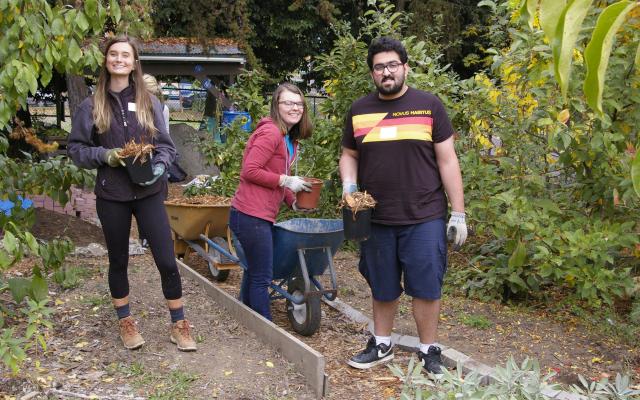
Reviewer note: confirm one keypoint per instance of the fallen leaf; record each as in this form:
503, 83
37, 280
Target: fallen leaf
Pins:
227, 373
269, 364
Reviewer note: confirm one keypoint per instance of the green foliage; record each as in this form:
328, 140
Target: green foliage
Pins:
511, 381
562, 22
621, 388
54, 178
39, 38
475, 321
13, 345
547, 187
598, 50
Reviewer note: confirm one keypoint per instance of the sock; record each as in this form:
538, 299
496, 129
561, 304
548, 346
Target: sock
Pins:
177, 314
383, 339
425, 347
123, 311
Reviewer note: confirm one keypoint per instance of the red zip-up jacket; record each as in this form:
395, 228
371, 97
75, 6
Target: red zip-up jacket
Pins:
264, 160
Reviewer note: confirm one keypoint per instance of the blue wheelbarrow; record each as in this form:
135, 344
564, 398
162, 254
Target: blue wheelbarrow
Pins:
303, 250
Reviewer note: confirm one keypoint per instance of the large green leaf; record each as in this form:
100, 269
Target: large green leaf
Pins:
19, 288
550, 12
528, 11
564, 40
637, 61
598, 50
635, 173
114, 7
518, 257
39, 289
74, 51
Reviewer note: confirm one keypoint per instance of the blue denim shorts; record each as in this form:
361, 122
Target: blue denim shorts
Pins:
417, 253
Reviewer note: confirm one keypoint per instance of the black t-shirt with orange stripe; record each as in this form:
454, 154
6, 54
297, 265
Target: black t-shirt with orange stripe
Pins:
396, 157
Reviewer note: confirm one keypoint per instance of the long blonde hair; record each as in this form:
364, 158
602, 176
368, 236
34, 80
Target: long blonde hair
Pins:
302, 129
144, 107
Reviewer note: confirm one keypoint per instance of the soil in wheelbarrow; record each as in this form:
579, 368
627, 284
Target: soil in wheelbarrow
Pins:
489, 332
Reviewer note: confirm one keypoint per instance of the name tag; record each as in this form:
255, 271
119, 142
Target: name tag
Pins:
388, 132
132, 106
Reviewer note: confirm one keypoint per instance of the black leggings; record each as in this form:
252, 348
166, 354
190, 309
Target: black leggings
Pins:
115, 217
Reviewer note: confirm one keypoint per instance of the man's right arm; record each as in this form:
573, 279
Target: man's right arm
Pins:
349, 170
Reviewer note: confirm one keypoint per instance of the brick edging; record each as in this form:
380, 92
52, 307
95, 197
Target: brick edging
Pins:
81, 204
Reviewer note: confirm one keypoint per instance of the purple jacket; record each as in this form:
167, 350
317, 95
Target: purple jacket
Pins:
87, 147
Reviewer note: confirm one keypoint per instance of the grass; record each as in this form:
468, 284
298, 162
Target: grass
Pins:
97, 301
175, 385
475, 321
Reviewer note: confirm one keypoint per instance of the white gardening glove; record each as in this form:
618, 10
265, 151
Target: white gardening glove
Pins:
457, 229
348, 187
295, 183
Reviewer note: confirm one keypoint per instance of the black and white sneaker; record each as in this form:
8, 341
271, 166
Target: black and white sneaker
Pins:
432, 361
372, 355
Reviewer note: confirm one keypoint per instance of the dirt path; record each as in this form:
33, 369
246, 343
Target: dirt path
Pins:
85, 355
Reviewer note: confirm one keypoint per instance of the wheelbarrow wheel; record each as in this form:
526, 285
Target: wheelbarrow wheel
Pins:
219, 275
305, 317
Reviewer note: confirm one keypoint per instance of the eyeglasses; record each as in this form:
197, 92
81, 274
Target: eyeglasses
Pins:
291, 104
391, 66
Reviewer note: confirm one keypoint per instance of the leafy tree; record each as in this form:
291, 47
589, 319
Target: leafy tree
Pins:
39, 38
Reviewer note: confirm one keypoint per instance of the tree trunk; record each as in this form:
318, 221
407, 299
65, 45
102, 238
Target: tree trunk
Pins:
77, 91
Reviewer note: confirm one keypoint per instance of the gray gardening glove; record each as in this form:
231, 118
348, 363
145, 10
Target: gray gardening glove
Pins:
348, 188
112, 157
457, 229
158, 171
295, 183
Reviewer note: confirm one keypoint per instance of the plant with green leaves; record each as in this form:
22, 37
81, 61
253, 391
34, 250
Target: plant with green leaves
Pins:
513, 381
547, 186
39, 38
564, 23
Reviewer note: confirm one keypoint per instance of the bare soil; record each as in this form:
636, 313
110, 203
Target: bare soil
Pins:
85, 355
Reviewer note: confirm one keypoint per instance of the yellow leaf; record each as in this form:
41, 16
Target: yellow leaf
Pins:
81, 344
227, 373
269, 364
108, 380
563, 116
595, 360
58, 302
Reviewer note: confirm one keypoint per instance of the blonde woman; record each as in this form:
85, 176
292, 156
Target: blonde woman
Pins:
122, 110
152, 86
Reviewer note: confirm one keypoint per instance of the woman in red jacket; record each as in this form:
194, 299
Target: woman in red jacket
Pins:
264, 184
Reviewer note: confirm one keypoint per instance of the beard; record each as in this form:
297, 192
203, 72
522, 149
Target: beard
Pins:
398, 84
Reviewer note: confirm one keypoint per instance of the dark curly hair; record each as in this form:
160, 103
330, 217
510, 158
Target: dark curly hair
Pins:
383, 44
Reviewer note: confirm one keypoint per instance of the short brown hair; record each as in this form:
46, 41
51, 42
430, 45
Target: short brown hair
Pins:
302, 129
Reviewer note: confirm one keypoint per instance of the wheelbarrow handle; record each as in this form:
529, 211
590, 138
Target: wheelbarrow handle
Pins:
222, 250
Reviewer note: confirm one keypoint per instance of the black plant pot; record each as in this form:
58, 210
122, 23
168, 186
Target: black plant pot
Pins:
356, 228
139, 172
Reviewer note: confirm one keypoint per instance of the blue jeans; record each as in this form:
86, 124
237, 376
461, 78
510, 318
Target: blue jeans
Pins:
256, 238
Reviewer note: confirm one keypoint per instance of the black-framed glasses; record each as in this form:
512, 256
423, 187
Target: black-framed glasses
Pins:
291, 104
392, 66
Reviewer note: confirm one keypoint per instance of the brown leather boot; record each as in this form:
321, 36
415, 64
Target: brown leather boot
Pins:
129, 334
181, 335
